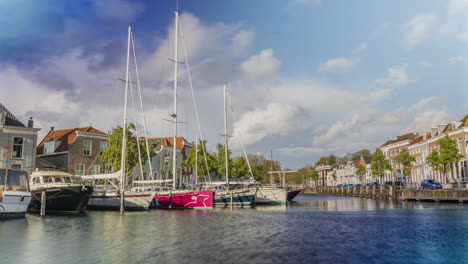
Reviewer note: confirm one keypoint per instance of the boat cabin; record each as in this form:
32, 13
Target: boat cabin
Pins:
50, 178
13, 180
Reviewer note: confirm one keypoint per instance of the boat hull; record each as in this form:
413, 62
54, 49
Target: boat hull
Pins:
133, 201
183, 200
239, 198
292, 195
72, 199
271, 196
14, 204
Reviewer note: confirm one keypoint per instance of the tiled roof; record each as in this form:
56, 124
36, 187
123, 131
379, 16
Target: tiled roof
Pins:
416, 140
66, 136
357, 164
169, 141
10, 119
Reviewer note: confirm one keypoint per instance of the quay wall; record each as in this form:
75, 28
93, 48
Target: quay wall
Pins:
441, 195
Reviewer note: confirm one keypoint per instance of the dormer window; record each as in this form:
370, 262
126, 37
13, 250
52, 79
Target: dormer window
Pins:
49, 147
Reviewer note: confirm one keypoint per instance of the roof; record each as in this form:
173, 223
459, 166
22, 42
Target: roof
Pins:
10, 119
367, 159
416, 140
66, 136
51, 173
464, 121
357, 164
169, 141
408, 136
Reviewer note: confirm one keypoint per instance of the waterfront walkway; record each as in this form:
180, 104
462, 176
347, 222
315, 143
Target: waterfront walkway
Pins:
442, 195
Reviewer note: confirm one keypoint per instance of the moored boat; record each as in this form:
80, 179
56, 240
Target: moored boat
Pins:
183, 199
64, 193
14, 193
275, 195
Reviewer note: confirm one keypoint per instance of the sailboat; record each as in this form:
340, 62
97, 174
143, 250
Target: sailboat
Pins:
179, 198
113, 195
231, 193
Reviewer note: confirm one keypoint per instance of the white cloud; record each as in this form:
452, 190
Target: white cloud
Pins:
397, 76
337, 65
242, 41
261, 65
361, 48
425, 64
458, 59
457, 7
417, 28
121, 10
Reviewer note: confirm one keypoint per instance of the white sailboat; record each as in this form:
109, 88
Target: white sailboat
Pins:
113, 195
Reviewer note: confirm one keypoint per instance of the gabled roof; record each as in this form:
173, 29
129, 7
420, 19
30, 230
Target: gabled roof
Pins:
169, 141
367, 159
66, 136
10, 119
464, 121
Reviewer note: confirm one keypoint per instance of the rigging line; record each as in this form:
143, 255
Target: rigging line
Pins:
240, 135
194, 100
142, 111
136, 125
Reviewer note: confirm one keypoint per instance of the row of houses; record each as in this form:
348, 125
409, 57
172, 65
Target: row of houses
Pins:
419, 145
75, 150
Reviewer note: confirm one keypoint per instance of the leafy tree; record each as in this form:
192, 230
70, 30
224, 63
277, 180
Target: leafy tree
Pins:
112, 155
200, 160
334, 176
331, 160
363, 152
443, 157
379, 164
322, 161
315, 176
240, 169
406, 160
220, 160
360, 172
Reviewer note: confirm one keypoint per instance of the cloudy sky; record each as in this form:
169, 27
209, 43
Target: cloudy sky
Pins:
307, 78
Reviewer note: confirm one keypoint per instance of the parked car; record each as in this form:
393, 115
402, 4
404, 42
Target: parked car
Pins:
376, 184
349, 186
358, 185
398, 185
430, 184
339, 185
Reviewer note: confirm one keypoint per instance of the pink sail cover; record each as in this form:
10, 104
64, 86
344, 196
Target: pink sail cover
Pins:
184, 200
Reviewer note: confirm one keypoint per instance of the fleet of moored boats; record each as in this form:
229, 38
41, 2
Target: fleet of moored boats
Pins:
60, 192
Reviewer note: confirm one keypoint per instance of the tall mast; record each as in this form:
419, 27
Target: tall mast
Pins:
226, 137
174, 115
196, 160
271, 167
124, 133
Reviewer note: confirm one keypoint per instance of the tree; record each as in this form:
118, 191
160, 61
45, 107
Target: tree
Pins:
322, 161
360, 172
445, 155
331, 160
220, 160
334, 177
190, 161
363, 152
112, 155
379, 164
315, 176
240, 168
406, 160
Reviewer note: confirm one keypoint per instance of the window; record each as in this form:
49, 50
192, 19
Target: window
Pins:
460, 144
48, 180
17, 148
79, 169
16, 166
95, 169
16, 178
49, 147
87, 147
37, 180
102, 147
2, 176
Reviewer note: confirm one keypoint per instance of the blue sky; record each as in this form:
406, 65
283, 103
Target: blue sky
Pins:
307, 77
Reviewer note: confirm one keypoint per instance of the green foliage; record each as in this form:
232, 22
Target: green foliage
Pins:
363, 152
331, 160
113, 154
334, 176
360, 172
240, 169
200, 160
220, 160
379, 164
326, 160
447, 153
406, 160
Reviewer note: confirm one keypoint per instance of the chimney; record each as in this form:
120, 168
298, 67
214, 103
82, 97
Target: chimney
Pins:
30, 123
51, 128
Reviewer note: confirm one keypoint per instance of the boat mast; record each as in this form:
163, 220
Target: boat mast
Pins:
226, 137
271, 167
124, 133
196, 160
174, 115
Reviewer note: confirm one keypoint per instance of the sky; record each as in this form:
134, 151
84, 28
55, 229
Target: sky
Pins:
306, 78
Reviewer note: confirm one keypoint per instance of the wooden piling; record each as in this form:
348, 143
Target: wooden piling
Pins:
43, 203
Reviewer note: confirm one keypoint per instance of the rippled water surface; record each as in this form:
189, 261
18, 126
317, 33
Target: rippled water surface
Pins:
314, 229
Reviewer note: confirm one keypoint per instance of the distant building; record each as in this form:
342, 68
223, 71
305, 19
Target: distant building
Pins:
391, 149
162, 161
17, 142
74, 150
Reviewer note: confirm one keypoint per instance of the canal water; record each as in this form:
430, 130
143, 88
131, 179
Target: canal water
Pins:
313, 229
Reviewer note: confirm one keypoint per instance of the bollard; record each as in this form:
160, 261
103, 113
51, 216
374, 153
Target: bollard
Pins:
43, 203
